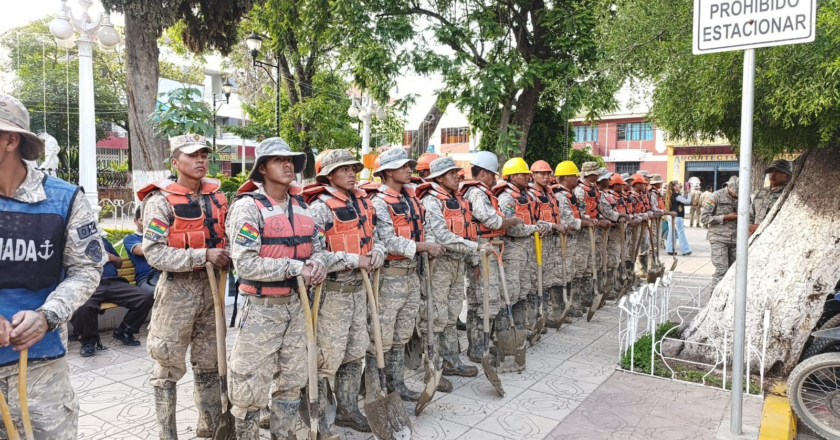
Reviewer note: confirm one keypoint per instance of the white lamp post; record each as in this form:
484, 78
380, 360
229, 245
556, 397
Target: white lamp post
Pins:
366, 109
64, 29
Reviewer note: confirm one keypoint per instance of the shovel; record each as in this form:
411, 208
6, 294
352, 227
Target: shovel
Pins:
602, 278
311, 358
512, 342
386, 414
11, 430
489, 371
225, 428
330, 410
653, 258
540, 324
674, 241
622, 267
433, 373
567, 305
596, 302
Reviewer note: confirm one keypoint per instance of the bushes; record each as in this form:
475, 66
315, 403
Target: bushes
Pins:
641, 351
115, 235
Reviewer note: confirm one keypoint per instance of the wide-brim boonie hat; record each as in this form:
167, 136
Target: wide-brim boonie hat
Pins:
272, 147
336, 159
394, 159
656, 178
14, 118
589, 169
441, 166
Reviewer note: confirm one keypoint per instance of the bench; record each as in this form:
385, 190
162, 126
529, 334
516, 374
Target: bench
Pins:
127, 272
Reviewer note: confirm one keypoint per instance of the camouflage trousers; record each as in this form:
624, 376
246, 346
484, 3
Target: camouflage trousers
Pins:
475, 288
398, 302
182, 318
551, 275
614, 247
569, 262
269, 354
53, 407
341, 328
723, 256
447, 291
519, 252
583, 255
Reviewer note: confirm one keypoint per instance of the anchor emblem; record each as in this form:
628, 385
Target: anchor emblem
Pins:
47, 253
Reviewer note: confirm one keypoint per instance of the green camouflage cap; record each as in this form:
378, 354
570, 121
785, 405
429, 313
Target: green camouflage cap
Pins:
275, 146
337, 159
779, 165
441, 166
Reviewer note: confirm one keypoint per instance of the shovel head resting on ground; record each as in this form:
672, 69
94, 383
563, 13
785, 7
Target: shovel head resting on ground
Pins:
511, 341
433, 372
226, 426
386, 414
489, 371
596, 301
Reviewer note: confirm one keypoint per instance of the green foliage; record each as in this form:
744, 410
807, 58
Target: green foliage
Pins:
105, 211
115, 235
797, 106
545, 140
229, 184
182, 112
642, 350
579, 157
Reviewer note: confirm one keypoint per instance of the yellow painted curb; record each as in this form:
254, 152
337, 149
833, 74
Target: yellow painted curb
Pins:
777, 420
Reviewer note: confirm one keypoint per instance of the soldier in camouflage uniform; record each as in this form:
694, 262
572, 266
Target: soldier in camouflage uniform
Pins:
608, 206
40, 289
448, 223
720, 214
269, 250
490, 224
346, 216
779, 174
588, 197
694, 215
399, 227
183, 316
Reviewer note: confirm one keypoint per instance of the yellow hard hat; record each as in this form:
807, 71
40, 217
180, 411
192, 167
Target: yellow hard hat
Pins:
515, 165
566, 168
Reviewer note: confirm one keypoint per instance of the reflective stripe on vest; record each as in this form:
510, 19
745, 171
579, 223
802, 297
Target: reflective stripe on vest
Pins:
547, 208
406, 214
352, 224
456, 210
481, 230
32, 239
285, 235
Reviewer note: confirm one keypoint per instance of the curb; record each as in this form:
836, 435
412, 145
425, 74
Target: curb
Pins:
777, 420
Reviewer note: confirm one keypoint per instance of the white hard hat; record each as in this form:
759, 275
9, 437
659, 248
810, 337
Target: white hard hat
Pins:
486, 160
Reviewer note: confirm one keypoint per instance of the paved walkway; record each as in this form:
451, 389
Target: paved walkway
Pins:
571, 389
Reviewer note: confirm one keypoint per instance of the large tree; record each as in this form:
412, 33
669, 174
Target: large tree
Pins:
794, 257
208, 24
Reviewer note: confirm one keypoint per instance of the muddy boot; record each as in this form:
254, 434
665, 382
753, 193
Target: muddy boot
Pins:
165, 409
444, 386
348, 379
371, 378
553, 306
587, 292
452, 365
395, 374
641, 267
533, 309
208, 402
475, 336
324, 430
265, 418
249, 427
284, 414
520, 315
577, 308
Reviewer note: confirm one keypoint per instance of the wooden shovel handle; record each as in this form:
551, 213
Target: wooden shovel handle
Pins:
221, 349
11, 430
374, 318
24, 402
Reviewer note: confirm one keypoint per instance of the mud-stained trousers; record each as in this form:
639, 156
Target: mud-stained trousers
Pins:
53, 406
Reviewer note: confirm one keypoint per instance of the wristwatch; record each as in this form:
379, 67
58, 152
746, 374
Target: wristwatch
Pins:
52, 319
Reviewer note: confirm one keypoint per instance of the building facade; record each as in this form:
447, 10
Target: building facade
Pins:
627, 142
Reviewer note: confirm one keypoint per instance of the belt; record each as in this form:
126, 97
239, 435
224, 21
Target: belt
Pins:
397, 271
515, 239
194, 275
340, 287
271, 300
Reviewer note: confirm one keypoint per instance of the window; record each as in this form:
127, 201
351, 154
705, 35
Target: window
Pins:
585, 133
626, 167
408, 136
454, 135
636, 131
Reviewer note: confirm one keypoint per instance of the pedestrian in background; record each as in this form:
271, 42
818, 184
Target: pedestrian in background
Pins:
694, 196
675, 204
720, 214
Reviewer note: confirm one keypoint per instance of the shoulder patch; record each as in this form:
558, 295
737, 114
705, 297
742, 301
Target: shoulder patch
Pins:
509, 210
87, 230
94, 251
247, 235
158, 226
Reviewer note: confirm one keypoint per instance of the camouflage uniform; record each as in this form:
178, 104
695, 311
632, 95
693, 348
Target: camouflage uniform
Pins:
53, 407
763, 202
568, 219
519, 252
614, 242
704, 198
721, 233
694, 215
583, 281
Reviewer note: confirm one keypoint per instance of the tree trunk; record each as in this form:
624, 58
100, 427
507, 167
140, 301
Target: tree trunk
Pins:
526, 107
794, 263
757, 175
427, 127
148, 152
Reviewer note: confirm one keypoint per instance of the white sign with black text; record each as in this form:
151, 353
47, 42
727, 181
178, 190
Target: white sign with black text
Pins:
727, 25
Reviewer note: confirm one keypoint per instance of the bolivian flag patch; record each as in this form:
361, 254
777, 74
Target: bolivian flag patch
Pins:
247, 235
156, 230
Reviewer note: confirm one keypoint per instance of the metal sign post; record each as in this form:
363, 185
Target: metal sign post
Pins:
727, 25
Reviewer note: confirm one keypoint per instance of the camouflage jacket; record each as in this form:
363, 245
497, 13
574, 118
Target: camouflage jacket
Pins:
712, 213
762, 202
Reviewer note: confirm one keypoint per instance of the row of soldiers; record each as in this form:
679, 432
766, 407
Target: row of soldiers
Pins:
327, 233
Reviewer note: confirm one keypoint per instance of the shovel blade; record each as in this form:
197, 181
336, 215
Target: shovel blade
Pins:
596, 304
536, 335
388, 418
226, 427
491, 374
414, 351
431, 379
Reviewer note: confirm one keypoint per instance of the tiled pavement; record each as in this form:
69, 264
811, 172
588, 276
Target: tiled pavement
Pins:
569, 390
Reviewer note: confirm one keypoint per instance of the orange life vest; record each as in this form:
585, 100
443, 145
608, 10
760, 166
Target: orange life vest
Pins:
591, 197
571, 197
285, 235
351, 230
481, 230
406, 212
642, 202
660, 204
524, 208
617, 202
191, 227
547, 208
249, 186
456, 210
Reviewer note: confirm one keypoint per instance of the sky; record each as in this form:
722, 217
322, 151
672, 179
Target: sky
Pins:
19, 13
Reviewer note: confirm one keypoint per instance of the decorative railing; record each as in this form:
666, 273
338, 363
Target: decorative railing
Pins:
105, 178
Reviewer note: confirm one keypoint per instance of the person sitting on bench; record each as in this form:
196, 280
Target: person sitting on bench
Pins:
146, 277
115, 289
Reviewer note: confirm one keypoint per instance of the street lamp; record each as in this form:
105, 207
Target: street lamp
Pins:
64, 28
366, 109
254, 43
227, 87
